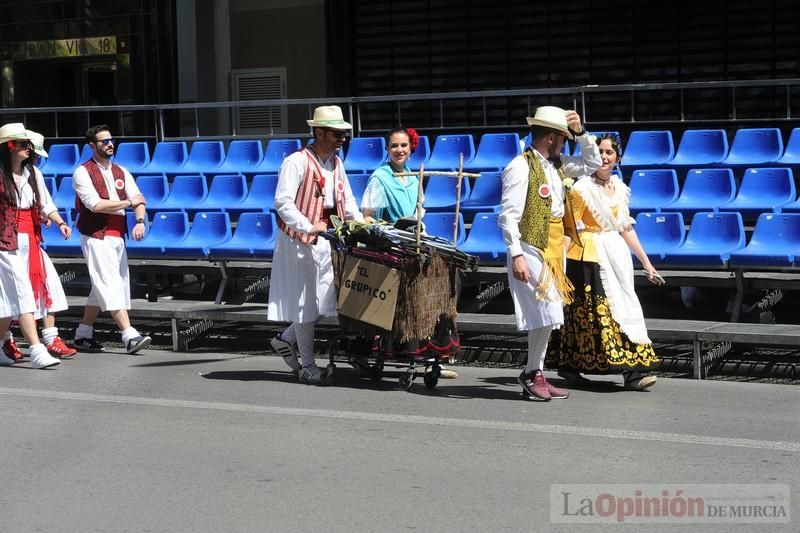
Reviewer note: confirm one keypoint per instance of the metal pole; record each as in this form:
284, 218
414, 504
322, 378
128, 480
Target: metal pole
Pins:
733, 102
458, 196
196, 122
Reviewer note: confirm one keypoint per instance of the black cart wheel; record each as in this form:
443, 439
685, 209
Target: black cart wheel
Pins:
406, 381
377, 372
432, 377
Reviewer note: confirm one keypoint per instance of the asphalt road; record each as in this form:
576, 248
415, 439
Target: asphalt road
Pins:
229, 442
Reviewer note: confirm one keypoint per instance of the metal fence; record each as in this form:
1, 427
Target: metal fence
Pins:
622, 106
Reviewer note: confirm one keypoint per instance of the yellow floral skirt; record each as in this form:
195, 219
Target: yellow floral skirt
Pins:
591, 341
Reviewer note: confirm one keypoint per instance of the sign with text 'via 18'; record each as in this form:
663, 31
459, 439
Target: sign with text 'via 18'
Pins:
368, 292
89, 46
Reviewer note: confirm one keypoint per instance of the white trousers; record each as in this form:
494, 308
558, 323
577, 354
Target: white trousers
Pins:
16, 294
107, 261
54, 288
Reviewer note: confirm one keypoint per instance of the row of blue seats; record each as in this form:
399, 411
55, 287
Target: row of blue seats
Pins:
210, 235
714, 189
750, 147
231, 192
718, 239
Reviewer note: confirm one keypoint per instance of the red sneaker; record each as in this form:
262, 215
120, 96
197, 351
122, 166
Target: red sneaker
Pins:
556, 393
11, 350
57, 348
534, 386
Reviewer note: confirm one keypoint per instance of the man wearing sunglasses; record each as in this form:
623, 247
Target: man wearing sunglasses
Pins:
312, 186
104, 190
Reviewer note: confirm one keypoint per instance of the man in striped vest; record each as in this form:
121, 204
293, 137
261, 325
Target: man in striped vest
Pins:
312, 186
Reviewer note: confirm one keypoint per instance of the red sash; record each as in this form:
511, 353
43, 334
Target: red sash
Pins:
36, 269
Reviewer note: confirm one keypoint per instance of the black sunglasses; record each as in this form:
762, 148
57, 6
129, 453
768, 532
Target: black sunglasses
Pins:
106, 142
339, 134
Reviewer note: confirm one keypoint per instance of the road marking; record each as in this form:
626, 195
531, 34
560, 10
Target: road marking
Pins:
526, 427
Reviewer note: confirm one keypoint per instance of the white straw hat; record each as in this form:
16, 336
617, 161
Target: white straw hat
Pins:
552, 117
37, 140
13, 131
329, 116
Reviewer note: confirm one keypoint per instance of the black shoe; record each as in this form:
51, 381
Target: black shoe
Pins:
88, 344
138, 343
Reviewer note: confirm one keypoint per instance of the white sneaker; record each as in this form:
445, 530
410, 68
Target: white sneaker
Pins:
40, 358
287, 351
5, 360
310, 375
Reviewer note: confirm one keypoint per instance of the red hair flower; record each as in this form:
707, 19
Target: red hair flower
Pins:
413, 138
320, 181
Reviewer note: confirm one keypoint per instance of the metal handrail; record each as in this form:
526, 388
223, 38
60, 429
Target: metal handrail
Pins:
577, 94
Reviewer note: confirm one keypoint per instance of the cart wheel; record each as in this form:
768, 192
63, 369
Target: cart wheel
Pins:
406, 381
432, 377
377, 372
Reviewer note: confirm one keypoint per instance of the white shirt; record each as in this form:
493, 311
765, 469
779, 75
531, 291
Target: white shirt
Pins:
292, 172
25, 193
515, 187
84, 188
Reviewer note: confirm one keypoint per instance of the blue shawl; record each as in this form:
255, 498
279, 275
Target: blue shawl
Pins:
401, 199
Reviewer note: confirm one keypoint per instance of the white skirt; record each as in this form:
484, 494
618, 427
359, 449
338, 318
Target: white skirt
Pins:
301, 283
16, 294
107, 261
54, 288
530, 311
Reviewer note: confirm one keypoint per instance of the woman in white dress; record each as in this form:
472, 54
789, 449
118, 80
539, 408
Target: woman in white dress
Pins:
19, 297
604, 330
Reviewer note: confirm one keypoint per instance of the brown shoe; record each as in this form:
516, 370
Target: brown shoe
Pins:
11, 350
534, 387
57, 348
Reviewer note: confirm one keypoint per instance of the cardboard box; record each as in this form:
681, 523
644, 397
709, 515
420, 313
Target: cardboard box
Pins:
368, 292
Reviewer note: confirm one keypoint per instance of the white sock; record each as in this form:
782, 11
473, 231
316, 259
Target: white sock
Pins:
84, 332
289, 334
128, 334
49, 335
537, 348
305, 343
38, 350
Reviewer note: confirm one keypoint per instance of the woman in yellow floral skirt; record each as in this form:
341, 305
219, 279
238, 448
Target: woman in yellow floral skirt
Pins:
604, 330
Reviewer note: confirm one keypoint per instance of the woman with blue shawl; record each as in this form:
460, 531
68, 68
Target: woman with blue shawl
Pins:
390, 197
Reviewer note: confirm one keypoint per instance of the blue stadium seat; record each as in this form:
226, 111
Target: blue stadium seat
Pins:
441, 225
755, 146
254, 237
63, 159
775, 242
260, 195
653, 189
166, 229
204, 157
365, 154
207, 230
711, 239
168, 158
705, 190
186, 193
485, 239
86, 154
227, 191
134, 156
358, 184
446, 151
50, 183
659, 233
243, 156
495, 151
762, 190
421, 154
42, 163
155, 190
576, 150
485, 194
277, 151
701, 147
440, 192
54, 242
64, 198
792, 154
648, 148
528, 140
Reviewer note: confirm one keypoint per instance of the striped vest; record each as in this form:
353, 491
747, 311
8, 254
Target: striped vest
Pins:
310, 199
